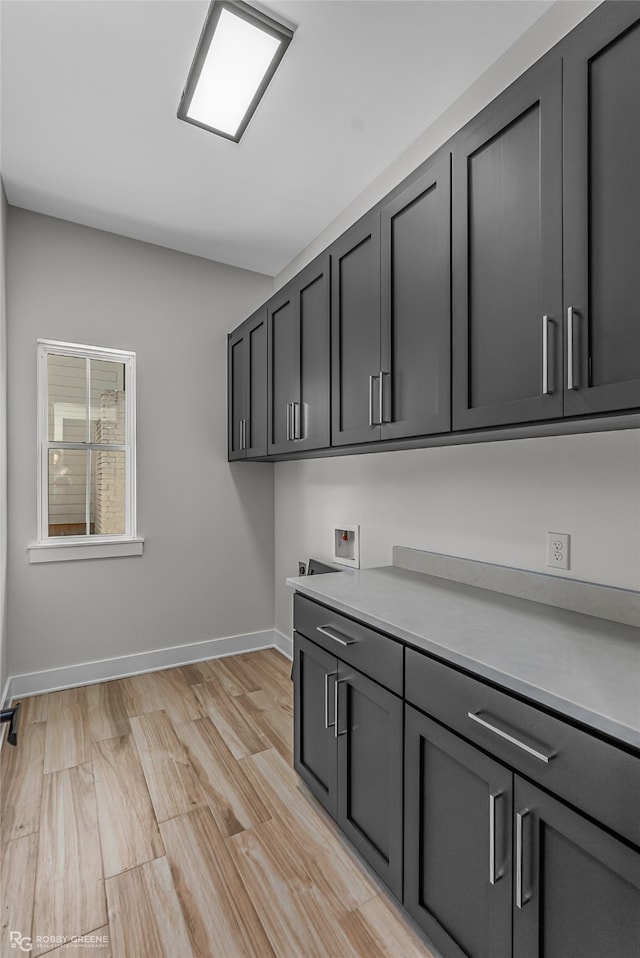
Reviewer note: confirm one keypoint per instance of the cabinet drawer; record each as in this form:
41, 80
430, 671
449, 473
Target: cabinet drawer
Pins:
371, 652
593, 775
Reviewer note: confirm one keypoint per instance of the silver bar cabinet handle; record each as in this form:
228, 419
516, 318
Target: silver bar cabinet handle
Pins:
297, 420
327, 723
545, 356
371, 378
240, 422
570, 381
336, 730
492, 837
520, 817
324, 630
509, 738
381, 403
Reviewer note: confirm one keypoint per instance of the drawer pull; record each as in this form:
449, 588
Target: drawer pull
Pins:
509, 738
324, 630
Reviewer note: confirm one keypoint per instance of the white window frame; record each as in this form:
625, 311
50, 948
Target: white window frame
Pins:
56, 548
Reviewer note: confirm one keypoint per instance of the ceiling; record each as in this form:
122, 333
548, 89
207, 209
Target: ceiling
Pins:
89, 131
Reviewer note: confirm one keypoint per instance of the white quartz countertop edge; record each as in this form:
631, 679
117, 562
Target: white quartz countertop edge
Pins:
353, 596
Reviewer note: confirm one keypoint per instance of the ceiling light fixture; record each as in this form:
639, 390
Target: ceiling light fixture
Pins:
238, 52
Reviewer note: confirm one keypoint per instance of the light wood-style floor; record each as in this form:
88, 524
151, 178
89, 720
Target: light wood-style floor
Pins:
162, 812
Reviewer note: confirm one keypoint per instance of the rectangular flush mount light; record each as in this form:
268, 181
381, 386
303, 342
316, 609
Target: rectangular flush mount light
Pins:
239, 50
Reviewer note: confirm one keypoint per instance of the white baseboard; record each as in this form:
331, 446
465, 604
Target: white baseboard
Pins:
283, 643
6, 695
89, 673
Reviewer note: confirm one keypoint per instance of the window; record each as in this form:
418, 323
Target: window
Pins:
86, 453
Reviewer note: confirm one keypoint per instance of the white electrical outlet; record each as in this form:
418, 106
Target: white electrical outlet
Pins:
558, 550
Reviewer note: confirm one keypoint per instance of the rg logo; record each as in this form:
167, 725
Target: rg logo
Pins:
20, 941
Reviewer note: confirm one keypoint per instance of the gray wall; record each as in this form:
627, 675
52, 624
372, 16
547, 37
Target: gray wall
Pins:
207, 569
493, 501
3, 446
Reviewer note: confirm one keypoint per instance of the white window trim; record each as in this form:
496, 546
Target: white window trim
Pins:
51, 549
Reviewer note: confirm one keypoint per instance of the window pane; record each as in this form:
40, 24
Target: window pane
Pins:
67, 399
67, 492
108, 492
108, 413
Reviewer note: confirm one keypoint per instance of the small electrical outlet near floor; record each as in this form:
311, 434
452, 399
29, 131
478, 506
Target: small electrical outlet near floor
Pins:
558, 550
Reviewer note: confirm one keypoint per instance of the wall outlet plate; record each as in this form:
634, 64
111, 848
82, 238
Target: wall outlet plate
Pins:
302, 568
558, 550
345, 544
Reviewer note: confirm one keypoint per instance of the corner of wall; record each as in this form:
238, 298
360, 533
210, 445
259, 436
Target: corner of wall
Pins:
3, 444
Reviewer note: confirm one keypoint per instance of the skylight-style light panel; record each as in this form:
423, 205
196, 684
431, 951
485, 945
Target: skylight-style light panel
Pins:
237, 55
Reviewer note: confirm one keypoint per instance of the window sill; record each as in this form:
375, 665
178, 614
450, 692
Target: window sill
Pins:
67, 551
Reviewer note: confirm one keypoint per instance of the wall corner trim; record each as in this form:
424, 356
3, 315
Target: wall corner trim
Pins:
90, 673
283, 643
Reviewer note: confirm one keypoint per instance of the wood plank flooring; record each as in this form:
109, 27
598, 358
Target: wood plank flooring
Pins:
159, 817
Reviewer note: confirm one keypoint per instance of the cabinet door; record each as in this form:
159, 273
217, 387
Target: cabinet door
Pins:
311, 420
299, 362
314, 742
416, 314
355, 334
369, 729
577, 888
602, 211
256, 379
284, 368
507, 256
236, 394
458, 815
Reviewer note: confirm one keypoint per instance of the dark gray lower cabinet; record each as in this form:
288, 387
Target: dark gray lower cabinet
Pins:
494, 866
458, 812
369, 733
347, 748
577, 889
448, 809
314, 742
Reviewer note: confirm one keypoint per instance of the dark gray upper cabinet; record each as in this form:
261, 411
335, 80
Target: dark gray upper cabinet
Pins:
416, 314
355, 333
236, 394
577, 888
298, 359
498, 286
507, 256
391, 317
602, 211
247, 388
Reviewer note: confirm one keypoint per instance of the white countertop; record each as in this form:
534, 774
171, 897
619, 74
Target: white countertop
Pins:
585, 668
